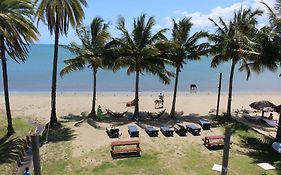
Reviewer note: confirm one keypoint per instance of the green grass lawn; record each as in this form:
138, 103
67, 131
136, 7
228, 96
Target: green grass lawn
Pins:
9, 145
161, 156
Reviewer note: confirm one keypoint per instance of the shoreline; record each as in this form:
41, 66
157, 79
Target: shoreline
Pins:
141, 93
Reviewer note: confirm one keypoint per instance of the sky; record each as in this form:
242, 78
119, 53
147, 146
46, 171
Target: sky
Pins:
163, 11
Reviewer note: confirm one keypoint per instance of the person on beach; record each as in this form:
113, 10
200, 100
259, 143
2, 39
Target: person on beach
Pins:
270, 117
26, 172
161, 97
99, 113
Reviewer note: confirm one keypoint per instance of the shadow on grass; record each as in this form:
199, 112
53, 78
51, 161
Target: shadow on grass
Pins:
59, 134
11, 149
222, 121
261, 151
258, 146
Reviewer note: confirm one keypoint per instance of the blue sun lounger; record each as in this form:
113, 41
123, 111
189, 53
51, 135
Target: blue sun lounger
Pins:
133, 131
151, 131
167, 131
205, 124
180, 130
193, 129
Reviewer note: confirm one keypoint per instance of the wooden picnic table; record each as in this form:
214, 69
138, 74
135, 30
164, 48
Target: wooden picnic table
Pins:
114, 151
214, 140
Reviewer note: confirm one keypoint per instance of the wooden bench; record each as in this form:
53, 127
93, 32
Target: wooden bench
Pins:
205, 124
127, 150
214, 140
193, 129
180, 130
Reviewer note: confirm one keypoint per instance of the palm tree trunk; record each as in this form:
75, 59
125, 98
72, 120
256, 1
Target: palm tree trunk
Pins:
93, 112
228, 113
278, 134
136, 100
54, 76
172, 113
10, 129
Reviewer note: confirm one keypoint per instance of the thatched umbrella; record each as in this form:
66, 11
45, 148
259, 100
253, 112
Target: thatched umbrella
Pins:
263, 105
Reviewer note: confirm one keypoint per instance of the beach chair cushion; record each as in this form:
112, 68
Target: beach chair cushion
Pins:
205, 124
151, 131
166, 131
133, 131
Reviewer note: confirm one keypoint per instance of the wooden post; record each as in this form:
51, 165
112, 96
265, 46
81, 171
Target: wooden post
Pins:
227, 135
35, 154
219, 95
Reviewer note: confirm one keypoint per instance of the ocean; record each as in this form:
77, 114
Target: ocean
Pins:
34, 75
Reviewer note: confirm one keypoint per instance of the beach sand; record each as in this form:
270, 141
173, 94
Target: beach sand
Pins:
35, 107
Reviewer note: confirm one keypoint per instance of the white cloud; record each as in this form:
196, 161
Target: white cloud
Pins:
201, 21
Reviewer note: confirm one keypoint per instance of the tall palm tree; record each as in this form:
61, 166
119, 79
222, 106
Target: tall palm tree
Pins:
233, 42
275, 50
16, 33
138, 52
57, 15
184, 47
91, 54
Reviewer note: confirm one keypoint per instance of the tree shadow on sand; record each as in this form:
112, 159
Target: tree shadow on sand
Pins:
11, 149
79, 119
58, 134
166, 120
111, 120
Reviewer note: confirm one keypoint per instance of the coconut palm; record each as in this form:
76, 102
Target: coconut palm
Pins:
138, 52
184, 47
91, 54
16, 33
274, 48
233, 41
57, 15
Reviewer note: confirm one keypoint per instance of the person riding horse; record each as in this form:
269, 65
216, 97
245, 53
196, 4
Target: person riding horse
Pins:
159, 101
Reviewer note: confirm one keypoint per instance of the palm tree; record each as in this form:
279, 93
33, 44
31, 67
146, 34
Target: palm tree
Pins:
91, 54
58, 14
16, 33
138, 52
274, 40
233, 42
184, 47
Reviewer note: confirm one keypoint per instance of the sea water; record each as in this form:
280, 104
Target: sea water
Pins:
34, 75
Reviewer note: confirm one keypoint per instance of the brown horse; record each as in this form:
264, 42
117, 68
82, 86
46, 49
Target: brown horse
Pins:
193, 88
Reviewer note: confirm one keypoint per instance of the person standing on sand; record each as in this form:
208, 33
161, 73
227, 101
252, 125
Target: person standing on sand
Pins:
26, 172
99, 113
161, 97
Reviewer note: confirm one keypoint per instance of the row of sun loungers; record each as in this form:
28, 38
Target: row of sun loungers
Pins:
181, 130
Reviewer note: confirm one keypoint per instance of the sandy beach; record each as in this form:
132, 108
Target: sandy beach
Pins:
36, 106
